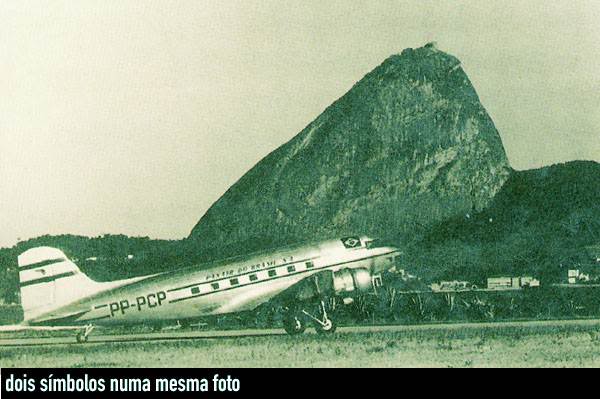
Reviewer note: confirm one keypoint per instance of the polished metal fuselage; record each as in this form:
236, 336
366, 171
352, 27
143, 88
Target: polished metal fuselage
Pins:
229, 286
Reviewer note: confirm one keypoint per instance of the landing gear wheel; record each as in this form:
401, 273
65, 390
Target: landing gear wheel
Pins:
293, 325
81, 338
328, 327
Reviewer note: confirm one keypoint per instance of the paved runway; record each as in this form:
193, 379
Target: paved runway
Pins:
100, 337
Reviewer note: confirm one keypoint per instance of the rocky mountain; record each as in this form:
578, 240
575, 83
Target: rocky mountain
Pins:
408, 146
408, 153
542, 222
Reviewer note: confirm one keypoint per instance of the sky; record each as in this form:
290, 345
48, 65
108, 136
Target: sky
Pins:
133, 117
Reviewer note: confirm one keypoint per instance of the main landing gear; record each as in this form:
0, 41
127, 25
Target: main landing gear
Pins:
82, 336
295, 320
294, 323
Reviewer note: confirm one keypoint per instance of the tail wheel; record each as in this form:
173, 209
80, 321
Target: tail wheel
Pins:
82, 338
328, 327
294, 325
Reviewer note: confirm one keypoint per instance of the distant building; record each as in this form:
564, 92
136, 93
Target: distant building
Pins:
452, 286
505, 283
575, 276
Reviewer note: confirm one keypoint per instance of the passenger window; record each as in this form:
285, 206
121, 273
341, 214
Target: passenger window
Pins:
310, 265
253, 277
234, 281
291, 269
272, 273
195, 290
215, 286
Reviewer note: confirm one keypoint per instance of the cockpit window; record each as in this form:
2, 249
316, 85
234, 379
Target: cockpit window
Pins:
379, 243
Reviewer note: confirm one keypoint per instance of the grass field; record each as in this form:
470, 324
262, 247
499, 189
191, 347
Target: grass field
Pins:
10, 314
563, 346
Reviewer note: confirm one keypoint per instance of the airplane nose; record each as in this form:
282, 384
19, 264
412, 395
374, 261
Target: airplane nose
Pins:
387, 260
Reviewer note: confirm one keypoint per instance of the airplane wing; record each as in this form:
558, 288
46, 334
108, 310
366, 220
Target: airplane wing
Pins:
20, 327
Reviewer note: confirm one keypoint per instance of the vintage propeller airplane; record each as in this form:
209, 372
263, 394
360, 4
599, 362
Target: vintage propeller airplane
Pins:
55, 294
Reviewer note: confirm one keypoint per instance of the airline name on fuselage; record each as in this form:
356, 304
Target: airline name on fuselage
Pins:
247, 268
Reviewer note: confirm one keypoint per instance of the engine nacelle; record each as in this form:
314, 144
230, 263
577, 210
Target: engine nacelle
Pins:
345, 283
350, 282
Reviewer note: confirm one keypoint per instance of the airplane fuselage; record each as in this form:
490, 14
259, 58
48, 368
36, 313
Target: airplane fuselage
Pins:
226, 287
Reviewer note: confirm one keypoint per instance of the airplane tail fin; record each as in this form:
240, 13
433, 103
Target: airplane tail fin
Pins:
49, 280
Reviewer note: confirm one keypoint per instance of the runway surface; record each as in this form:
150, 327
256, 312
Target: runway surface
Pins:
100, 337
